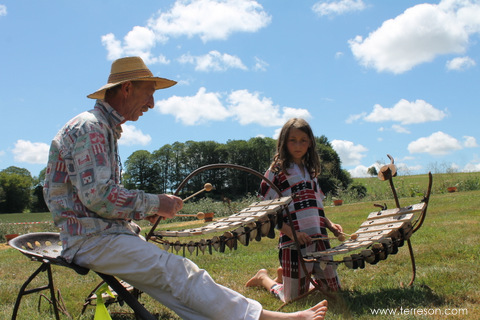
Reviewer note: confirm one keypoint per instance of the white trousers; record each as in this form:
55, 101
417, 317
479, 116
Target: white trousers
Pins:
174, 281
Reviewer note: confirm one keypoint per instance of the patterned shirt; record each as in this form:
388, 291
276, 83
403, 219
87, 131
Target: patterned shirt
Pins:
306, 209
82, 181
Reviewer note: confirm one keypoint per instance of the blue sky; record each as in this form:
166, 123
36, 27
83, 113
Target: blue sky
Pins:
375, 77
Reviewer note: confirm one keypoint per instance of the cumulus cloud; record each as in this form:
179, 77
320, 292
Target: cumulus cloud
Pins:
473, 166
133, 136
360, 171
250, 108
207, 19
404, 112
200, 108
241, 105
138, 42
3, 10
213, 61
349, 153
31, 152
325, 8
419, 35
438, 143
470, 142
460, 63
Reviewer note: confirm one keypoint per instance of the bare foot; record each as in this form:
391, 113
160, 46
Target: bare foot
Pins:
257, 279
279, 278
316, 312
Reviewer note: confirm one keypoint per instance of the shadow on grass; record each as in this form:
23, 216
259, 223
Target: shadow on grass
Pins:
354, 304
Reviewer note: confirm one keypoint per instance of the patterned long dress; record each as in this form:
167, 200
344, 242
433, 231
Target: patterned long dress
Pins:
308, 216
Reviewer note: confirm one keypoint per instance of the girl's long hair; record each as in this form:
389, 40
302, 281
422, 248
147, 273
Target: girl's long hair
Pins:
282, 161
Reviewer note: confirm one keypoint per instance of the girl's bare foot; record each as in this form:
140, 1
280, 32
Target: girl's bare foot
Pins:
257, 279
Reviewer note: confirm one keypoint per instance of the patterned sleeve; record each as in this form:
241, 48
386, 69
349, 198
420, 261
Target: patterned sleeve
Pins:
92, 170
266, 190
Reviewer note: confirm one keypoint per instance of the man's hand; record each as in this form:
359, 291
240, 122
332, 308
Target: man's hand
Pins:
169, 205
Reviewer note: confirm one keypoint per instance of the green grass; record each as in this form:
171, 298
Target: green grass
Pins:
446, 251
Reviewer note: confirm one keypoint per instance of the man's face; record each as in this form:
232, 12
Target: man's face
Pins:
139, 100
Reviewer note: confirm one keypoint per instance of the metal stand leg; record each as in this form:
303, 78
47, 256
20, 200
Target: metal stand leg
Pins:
137, 307
23, 291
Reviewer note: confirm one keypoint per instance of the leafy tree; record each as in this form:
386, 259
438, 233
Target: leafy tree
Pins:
372, 171
332, 177
38, 202
140, 172
16, 184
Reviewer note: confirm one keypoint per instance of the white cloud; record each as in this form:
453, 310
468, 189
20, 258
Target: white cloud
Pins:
202, 107
133, 136
210, 19
406, 112
249, 108
354, 117
359, 171
241, 105
207, 19
138, 42
470, 142
3, 10
419, 35
260, 65
349, 153
213, 61
400, 129
473, 166
438, 143
31, 152
324, 8
460, 63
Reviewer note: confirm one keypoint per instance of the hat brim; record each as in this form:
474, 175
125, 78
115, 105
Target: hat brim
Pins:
160, 83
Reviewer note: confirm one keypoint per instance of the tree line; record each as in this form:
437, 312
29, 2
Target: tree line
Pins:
163, 170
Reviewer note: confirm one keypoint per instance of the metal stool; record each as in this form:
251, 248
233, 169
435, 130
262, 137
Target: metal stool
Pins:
45, 247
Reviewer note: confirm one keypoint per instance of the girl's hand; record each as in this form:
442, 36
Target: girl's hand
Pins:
303, 238
336, 229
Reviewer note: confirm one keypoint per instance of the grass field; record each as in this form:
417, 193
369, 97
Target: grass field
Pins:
446, 249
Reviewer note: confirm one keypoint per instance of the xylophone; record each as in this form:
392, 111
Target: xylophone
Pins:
381, 234
252, 223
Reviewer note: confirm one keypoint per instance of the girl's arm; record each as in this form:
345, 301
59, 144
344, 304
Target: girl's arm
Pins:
334, 227
302, 237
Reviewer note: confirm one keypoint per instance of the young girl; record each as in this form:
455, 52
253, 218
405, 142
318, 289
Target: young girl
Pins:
294, 171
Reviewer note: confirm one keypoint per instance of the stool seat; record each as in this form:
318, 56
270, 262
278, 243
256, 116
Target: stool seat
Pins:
44, 247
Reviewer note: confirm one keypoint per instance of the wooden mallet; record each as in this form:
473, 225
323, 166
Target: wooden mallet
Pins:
199, 215
207, 187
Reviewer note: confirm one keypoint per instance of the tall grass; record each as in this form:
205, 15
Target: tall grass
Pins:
446, 249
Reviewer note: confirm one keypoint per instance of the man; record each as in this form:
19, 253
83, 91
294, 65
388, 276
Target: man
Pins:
95, 213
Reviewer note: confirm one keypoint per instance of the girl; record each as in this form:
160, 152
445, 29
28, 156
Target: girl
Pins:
294, 171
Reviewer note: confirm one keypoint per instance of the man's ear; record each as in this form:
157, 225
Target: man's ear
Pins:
127, 88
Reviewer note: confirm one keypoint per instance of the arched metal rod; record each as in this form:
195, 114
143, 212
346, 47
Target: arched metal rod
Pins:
216, 166
222, 166
426, 198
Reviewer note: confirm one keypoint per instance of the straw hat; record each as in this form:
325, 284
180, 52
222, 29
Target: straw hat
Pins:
130, 69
